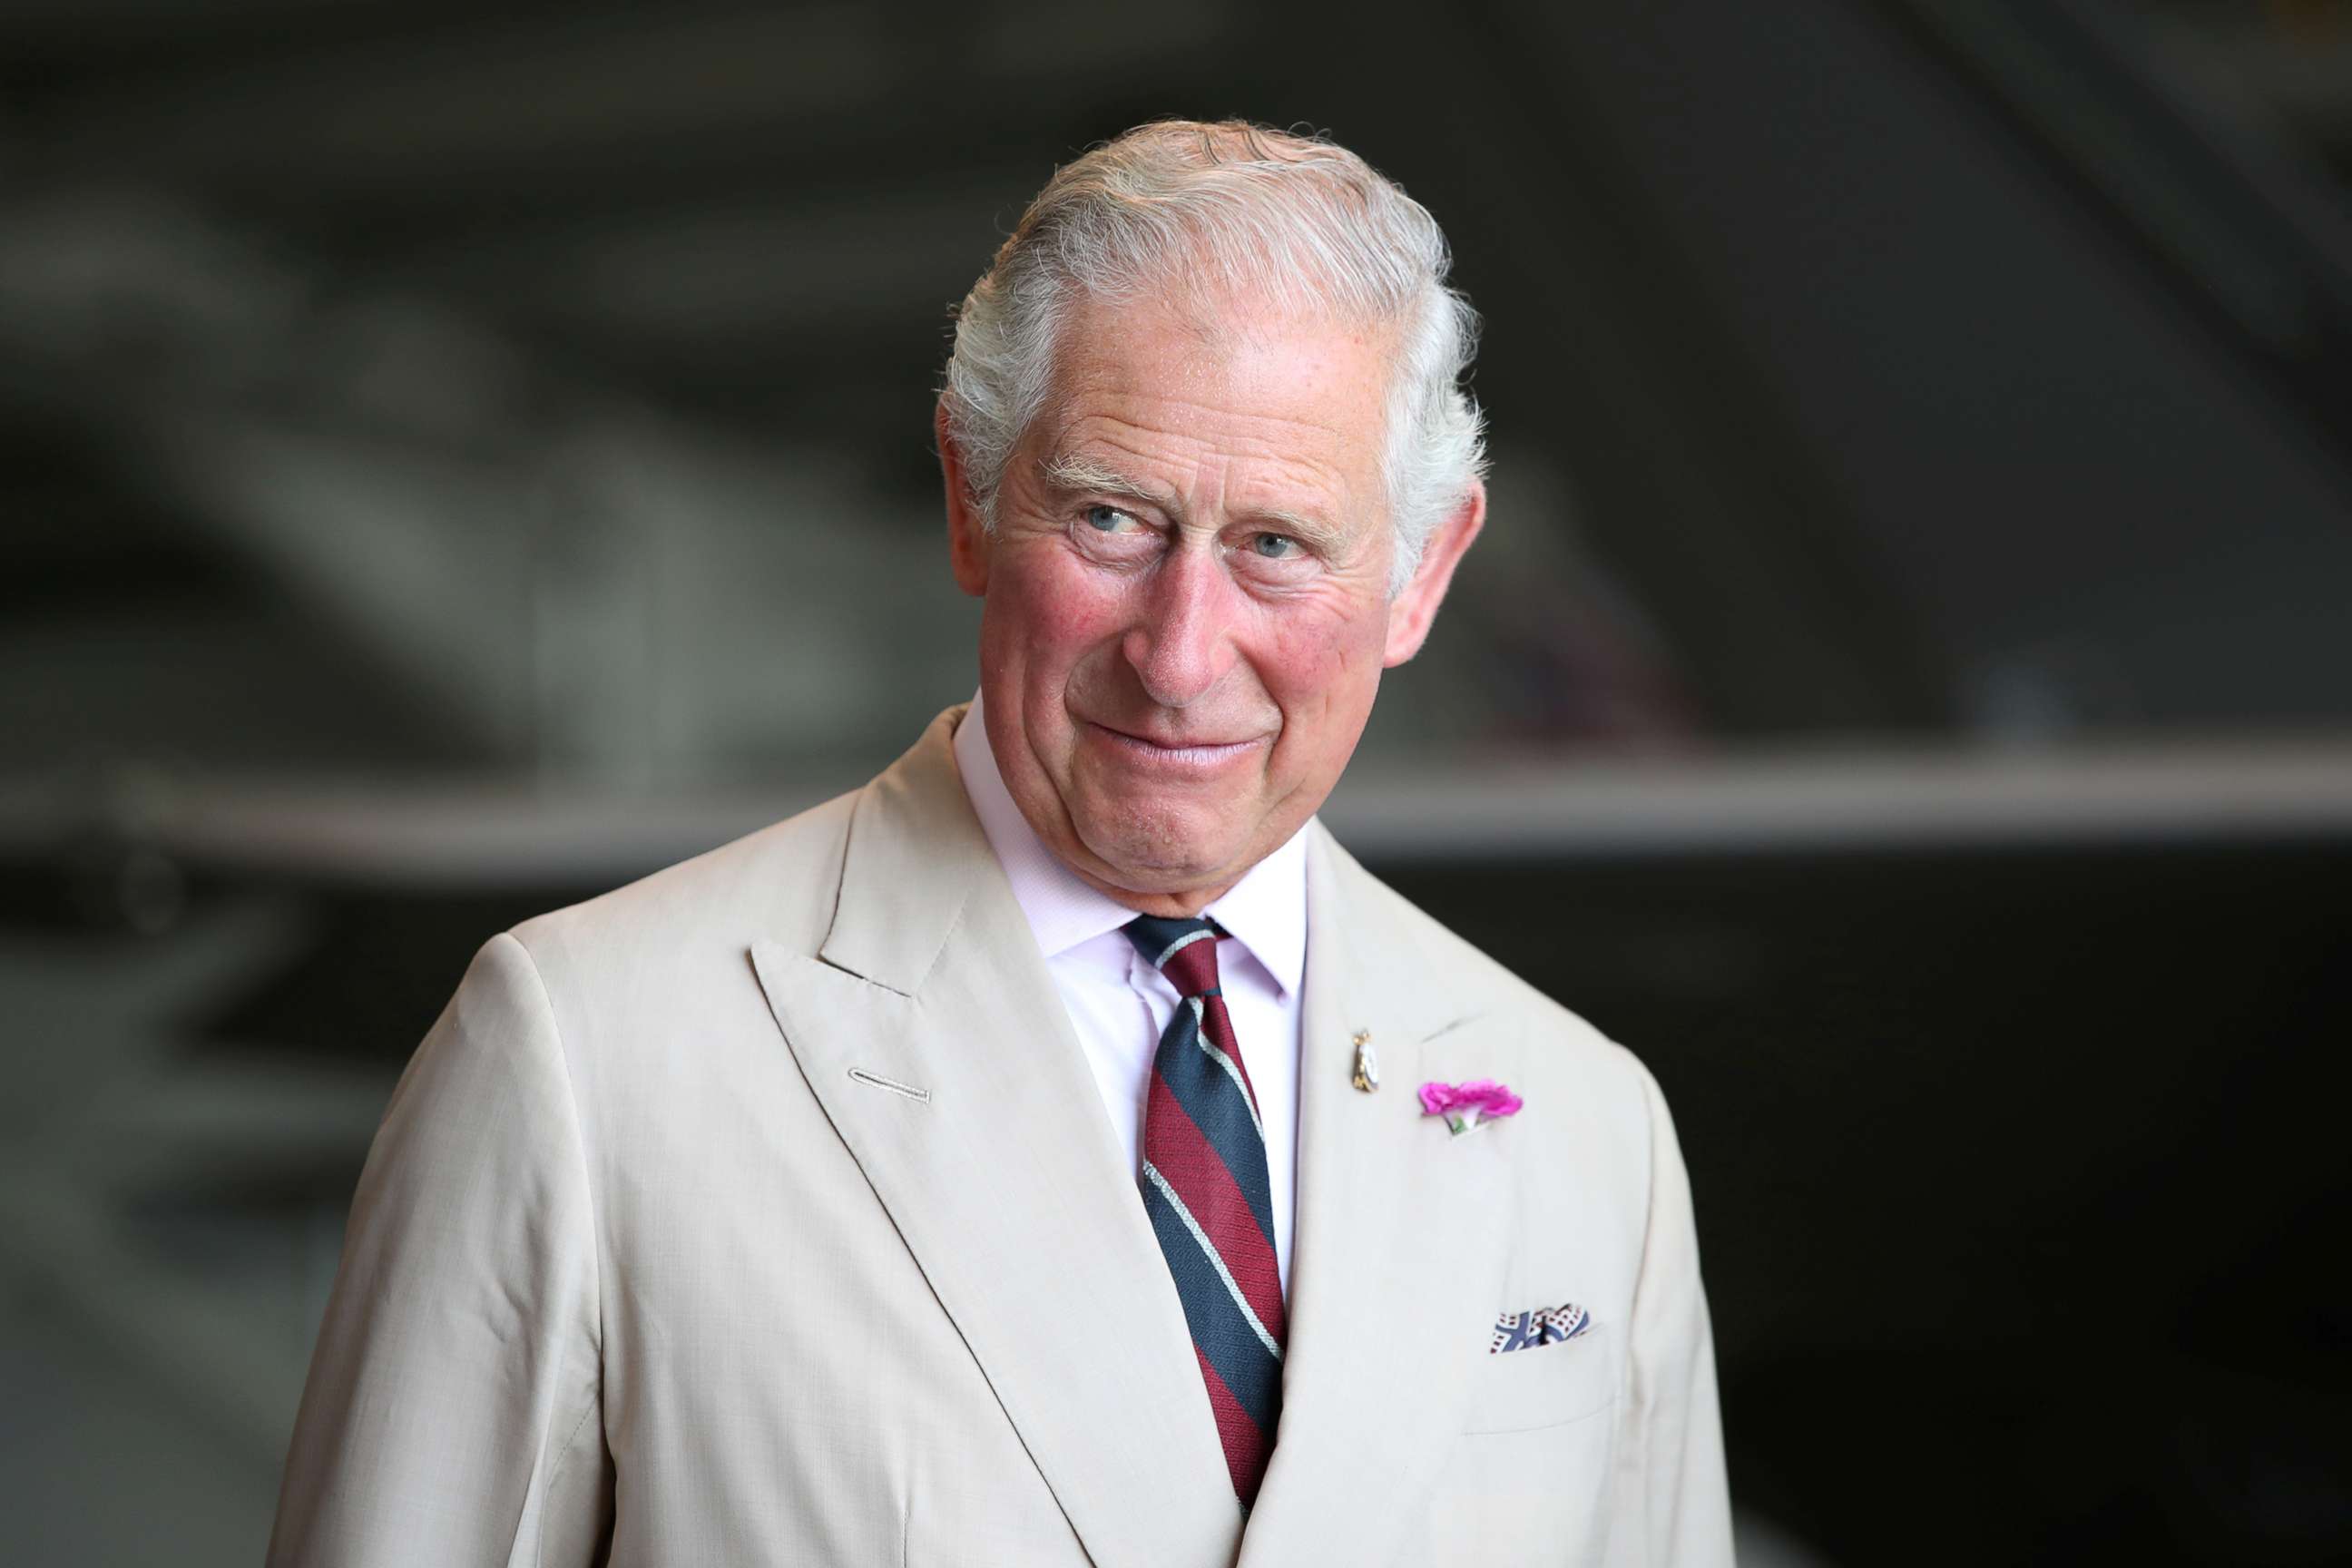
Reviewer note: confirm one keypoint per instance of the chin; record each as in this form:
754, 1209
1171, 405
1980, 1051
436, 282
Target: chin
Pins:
1154, 853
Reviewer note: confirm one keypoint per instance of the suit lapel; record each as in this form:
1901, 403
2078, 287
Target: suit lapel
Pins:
1005, 1182
1400, 1236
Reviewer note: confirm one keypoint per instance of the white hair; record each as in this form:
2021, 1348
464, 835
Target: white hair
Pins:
1239, 211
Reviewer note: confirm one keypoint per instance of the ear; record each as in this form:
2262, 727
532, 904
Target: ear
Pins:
968, 541
1412, 611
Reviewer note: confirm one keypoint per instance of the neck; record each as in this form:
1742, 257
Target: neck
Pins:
1165, 904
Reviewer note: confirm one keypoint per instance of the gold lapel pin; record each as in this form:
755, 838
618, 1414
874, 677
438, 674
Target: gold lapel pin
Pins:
1366, 1075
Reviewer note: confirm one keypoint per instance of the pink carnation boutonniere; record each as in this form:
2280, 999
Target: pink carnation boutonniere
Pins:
1465, 1105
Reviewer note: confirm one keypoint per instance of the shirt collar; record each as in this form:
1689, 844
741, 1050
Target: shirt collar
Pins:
1265, 910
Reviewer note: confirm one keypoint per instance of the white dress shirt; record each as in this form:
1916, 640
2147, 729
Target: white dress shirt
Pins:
1120, 1004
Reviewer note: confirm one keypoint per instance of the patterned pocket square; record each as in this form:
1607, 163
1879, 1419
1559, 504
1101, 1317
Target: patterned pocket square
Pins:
1543, 1326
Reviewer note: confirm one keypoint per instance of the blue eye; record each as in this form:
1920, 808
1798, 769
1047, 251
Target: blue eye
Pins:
1106, 518
1274, 546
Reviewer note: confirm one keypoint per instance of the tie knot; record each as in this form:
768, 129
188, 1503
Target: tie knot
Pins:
1185, 951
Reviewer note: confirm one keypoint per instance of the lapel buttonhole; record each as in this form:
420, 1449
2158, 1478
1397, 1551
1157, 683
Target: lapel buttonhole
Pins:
920, 1096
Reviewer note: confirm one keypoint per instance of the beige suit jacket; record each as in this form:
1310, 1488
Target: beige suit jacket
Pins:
765, 1212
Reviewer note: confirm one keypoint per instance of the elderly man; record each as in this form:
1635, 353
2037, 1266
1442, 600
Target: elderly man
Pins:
1059, 1151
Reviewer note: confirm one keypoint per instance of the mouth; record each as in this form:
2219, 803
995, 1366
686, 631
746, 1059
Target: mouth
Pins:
1185, 752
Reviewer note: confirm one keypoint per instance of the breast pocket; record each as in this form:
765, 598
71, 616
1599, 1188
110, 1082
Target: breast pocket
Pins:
1529, 1477
1547, 1386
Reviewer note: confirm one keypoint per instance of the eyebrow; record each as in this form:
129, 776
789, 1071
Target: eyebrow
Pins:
1073, 473
1070, 472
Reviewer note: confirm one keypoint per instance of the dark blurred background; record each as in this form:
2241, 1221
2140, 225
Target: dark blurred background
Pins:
456, 458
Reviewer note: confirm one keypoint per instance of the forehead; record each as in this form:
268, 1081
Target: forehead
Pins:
1221, 392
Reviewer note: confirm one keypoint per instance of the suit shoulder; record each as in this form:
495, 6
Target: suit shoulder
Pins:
779, 880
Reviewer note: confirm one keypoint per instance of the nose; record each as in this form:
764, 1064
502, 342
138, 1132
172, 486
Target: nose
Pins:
1183, 644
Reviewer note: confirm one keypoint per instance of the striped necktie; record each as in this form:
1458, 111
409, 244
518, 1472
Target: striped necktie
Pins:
1204, 1186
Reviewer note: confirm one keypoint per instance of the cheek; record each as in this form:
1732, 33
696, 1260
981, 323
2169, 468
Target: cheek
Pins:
1323, 680
1047, 621
1327, 666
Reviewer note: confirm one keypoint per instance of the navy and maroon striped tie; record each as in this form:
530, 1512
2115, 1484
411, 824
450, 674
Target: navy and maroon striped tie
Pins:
1204, 1186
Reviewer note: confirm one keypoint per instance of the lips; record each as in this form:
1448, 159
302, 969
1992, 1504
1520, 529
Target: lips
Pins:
1174, 742
1179, 749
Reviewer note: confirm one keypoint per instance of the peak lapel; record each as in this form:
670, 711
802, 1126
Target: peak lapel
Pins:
1006, 1182
1402, 1233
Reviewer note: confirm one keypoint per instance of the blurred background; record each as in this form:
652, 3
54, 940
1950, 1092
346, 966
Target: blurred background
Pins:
456, 458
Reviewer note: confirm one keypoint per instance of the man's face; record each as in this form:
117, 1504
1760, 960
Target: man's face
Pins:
1186, 607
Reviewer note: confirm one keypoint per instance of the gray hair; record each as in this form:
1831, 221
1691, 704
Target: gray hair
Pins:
1295, 220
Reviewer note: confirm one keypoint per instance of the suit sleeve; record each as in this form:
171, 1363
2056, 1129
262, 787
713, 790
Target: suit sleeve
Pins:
453, 1410
1673, 1501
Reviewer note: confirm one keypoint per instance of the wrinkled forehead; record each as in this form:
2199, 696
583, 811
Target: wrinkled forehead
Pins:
1218, 346
1236, 414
